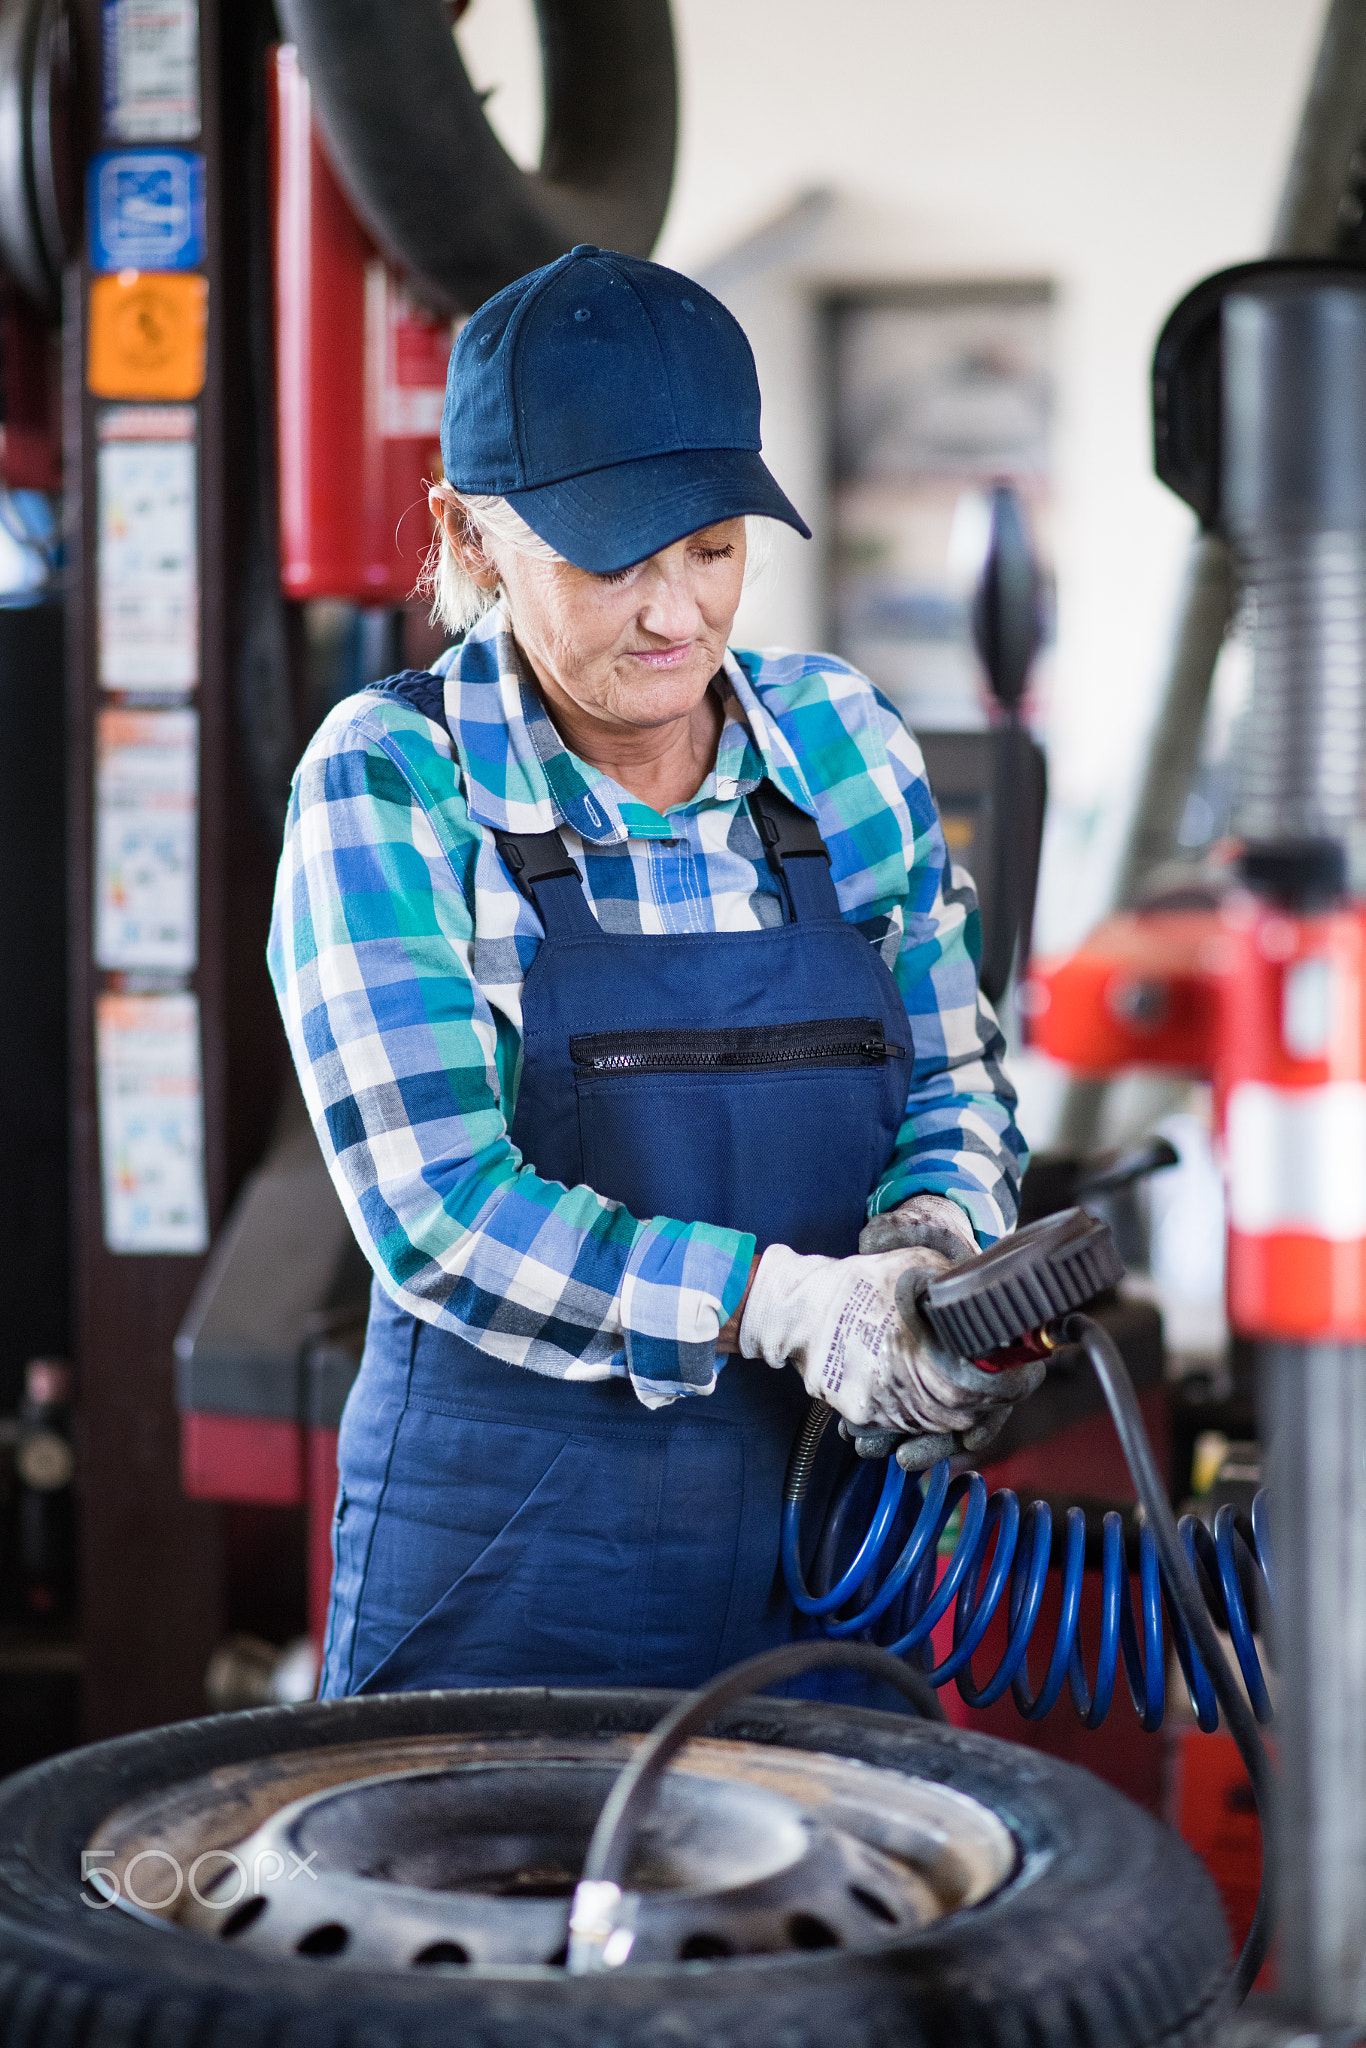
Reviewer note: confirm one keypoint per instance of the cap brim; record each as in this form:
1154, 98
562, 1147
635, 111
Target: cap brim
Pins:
610, 518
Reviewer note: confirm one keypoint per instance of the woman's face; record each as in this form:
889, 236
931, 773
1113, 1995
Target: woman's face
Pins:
636, 649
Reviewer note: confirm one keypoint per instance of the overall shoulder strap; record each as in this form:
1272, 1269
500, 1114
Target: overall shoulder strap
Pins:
549, 880
796, 853
418, 687
536, 861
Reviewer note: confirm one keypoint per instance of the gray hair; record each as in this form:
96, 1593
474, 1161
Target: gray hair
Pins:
458, 602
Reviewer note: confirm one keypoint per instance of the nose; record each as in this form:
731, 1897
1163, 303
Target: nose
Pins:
669, 609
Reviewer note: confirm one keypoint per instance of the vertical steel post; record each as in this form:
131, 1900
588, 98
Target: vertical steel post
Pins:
1312, 1399
1291, 1073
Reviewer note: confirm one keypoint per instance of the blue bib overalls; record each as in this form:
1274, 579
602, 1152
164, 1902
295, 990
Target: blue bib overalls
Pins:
498, 1527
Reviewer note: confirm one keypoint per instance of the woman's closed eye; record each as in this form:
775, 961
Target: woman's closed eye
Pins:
699, 554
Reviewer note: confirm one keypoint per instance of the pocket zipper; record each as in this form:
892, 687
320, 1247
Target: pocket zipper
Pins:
824, 1042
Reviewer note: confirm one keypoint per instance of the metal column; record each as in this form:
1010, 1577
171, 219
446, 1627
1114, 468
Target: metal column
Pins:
1312, 1399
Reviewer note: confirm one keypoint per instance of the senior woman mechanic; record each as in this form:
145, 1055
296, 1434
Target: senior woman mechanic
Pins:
626, 978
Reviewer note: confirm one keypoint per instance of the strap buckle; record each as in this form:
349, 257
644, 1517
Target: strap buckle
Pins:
786, 831
534, 857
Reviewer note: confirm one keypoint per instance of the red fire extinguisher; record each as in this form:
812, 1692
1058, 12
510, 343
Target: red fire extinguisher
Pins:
360, 378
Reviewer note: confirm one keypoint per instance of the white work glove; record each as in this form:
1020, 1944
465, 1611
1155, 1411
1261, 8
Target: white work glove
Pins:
939, 1225
852, 1330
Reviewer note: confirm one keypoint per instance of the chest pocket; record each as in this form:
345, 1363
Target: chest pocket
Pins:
729, 1125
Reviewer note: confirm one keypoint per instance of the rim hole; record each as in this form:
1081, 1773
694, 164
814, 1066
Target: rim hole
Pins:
328, 1940
806, 1931
871, 1903
442, 1952
242, 1917
704, 1948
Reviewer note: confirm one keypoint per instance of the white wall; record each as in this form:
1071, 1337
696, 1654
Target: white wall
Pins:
1122, 147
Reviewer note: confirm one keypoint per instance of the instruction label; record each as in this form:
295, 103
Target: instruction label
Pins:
150, 63
148, 549
151, 1110
146, 833
408, 352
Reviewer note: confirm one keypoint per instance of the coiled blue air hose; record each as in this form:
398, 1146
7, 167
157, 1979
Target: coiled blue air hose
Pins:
1023, 1294
891, 1594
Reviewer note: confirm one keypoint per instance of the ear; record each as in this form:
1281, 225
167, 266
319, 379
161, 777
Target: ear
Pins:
462, 536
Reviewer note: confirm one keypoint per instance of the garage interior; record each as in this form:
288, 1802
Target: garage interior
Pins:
1059, 316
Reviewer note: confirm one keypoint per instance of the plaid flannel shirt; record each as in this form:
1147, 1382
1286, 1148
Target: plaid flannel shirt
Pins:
399, 944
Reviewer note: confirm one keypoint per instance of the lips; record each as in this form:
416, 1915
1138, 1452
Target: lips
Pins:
662, 657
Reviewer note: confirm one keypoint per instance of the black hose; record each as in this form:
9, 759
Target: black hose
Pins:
614, 1837
1122, 1401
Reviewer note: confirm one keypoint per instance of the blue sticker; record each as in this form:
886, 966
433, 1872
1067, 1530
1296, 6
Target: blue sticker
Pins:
146, 209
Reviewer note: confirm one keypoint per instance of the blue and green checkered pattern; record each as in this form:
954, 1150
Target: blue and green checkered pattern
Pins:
398, 950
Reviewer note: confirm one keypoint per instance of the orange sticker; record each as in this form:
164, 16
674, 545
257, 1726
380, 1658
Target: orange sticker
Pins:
147, 331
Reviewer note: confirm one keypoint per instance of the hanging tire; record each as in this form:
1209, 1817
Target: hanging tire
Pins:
39, 202
1101, 1930
409, 139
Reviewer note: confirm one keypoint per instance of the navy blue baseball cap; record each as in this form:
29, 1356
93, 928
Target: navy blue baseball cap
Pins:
614, 404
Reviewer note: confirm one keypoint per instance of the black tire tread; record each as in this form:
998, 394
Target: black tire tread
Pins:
406, 130
1110, 1938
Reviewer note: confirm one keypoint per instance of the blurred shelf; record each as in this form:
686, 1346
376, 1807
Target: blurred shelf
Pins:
29, 1652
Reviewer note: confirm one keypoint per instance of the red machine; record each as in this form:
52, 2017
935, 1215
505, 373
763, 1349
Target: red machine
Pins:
270, 1460
1271, 1004
360, 381
1261, 428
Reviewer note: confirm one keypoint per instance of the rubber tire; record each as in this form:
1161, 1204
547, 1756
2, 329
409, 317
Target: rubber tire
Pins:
36, 200
408, 137
1109, 1936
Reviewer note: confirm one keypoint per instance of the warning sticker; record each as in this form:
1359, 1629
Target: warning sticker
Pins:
407, 353
147, 335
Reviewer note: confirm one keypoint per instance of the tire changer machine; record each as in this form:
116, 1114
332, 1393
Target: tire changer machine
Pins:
1260, 418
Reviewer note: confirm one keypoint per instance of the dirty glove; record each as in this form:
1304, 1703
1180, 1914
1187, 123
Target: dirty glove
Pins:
998, 1392
852, 1330
938, 1224
930, 1220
